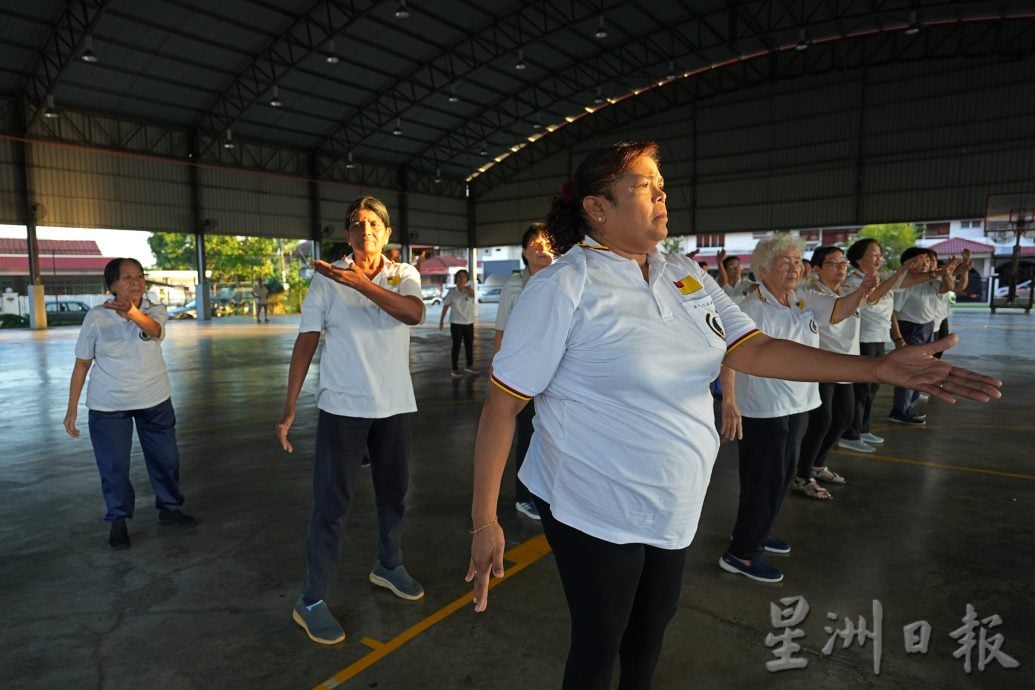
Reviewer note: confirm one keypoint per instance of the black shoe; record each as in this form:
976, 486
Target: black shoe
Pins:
907, 418
118, 535
175, 518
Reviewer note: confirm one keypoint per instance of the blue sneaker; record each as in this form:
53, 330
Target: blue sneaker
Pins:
397, 580
758, 570
774, 545
318, 622
528, 509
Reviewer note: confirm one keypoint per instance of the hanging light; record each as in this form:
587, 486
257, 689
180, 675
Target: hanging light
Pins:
803, 41
485, 149
914, 25
402, 12
520, 64
50, 111
88, 55
599, 98
228, 142
438, 176
538, 124
349, 165
331, 57
601, 33
453, 98
671, 70
275, 101
398, 127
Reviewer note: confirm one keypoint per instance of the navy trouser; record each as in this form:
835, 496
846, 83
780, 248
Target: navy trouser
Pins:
826, 424
621, 598
768, 456
111, 434
464, 332
524, 439
340, 442
914, 334
865, 393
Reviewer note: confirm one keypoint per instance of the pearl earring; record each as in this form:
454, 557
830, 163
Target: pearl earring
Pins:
600, 219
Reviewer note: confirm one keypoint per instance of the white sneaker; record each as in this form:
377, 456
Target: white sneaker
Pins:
871, 438
528, 509
856, 445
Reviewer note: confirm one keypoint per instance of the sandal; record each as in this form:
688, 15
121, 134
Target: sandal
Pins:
811, 489
828, 475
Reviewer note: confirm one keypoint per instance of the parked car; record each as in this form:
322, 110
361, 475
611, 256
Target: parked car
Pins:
66, 312
431, 294
490, 294
187, 311
1023, 291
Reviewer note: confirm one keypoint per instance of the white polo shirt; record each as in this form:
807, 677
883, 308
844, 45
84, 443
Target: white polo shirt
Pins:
764, 398
365, 365
508, 297
128, 371
737, 291
874, 317
625, 429
842, 336
462, 306
920, 303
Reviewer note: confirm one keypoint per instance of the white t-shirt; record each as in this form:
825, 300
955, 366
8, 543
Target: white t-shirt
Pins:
920, 303
764, 398
842, 336
462, 306
625, 434
875, 317
128, 371
739, 290
508, 297
365, 365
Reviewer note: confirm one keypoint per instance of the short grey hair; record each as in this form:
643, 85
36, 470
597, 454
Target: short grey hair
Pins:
771, 245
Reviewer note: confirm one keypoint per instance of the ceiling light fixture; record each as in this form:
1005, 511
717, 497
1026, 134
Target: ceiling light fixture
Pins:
275, 101
50, 111
88, 55
453, 98
601, 33
398, 127
438, 176
671, 70
331, 57
520, 64
485, 149
349, 165
803, 41
538, 124
402, 12
599, 98
228, 143
914, 25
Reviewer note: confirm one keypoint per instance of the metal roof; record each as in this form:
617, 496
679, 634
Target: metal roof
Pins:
456, 88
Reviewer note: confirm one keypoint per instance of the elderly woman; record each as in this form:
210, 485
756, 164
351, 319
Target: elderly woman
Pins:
774, 410
618, 343
128, 386
839, 333
365, 304
536, 255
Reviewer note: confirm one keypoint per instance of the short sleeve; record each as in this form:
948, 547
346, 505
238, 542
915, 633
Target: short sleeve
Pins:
86, 344
159, 314
735, 322
314, 305
821, 306
511, 291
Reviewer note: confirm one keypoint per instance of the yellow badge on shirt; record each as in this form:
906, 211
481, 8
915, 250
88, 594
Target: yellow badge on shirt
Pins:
801, 304
688, 285
393, 281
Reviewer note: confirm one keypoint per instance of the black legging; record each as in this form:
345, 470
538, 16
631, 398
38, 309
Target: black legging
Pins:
465, 331
865, 394
621, 598
826, 424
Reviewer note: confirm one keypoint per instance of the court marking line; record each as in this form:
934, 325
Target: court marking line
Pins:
521, 556
935, 465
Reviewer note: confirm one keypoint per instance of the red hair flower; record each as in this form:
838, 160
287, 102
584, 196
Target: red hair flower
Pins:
568, 191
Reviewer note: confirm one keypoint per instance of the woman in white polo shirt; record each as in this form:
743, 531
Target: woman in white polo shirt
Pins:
365, 305
461, 321
618, 342
128, 385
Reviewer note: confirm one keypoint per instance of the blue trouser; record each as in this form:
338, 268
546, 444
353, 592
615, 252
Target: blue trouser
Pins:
914, 334
340, 442
768, 454
111, 434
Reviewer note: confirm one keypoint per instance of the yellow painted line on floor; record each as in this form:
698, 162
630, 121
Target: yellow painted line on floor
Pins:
521, 556
937, 465
372, 643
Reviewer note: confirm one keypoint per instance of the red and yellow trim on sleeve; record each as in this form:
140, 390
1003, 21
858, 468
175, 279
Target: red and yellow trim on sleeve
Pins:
508, 390
740, 341
594, 246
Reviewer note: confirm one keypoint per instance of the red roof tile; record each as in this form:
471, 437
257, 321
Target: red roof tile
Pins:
18, 245
956, 245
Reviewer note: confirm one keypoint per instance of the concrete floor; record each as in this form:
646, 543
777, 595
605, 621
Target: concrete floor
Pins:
939, 518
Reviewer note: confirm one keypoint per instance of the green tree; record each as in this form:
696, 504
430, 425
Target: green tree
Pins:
231, 259
174, 251
894, 239
672, 245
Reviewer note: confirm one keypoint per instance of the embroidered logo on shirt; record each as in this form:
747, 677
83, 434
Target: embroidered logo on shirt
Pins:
394, 281
812, 326
800, 304
688, 285
713, 323
143, 336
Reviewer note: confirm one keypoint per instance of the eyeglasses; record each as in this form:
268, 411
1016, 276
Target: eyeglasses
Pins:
836, 264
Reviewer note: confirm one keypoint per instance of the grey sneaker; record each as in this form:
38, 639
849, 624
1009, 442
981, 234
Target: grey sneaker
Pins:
397, 580
318, 622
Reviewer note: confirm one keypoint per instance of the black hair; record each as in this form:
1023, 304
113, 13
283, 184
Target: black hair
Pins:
368, 203
730, 259
566, 223
917, 251
858, 250
534, 230
464, 271
820, 254
113, 269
